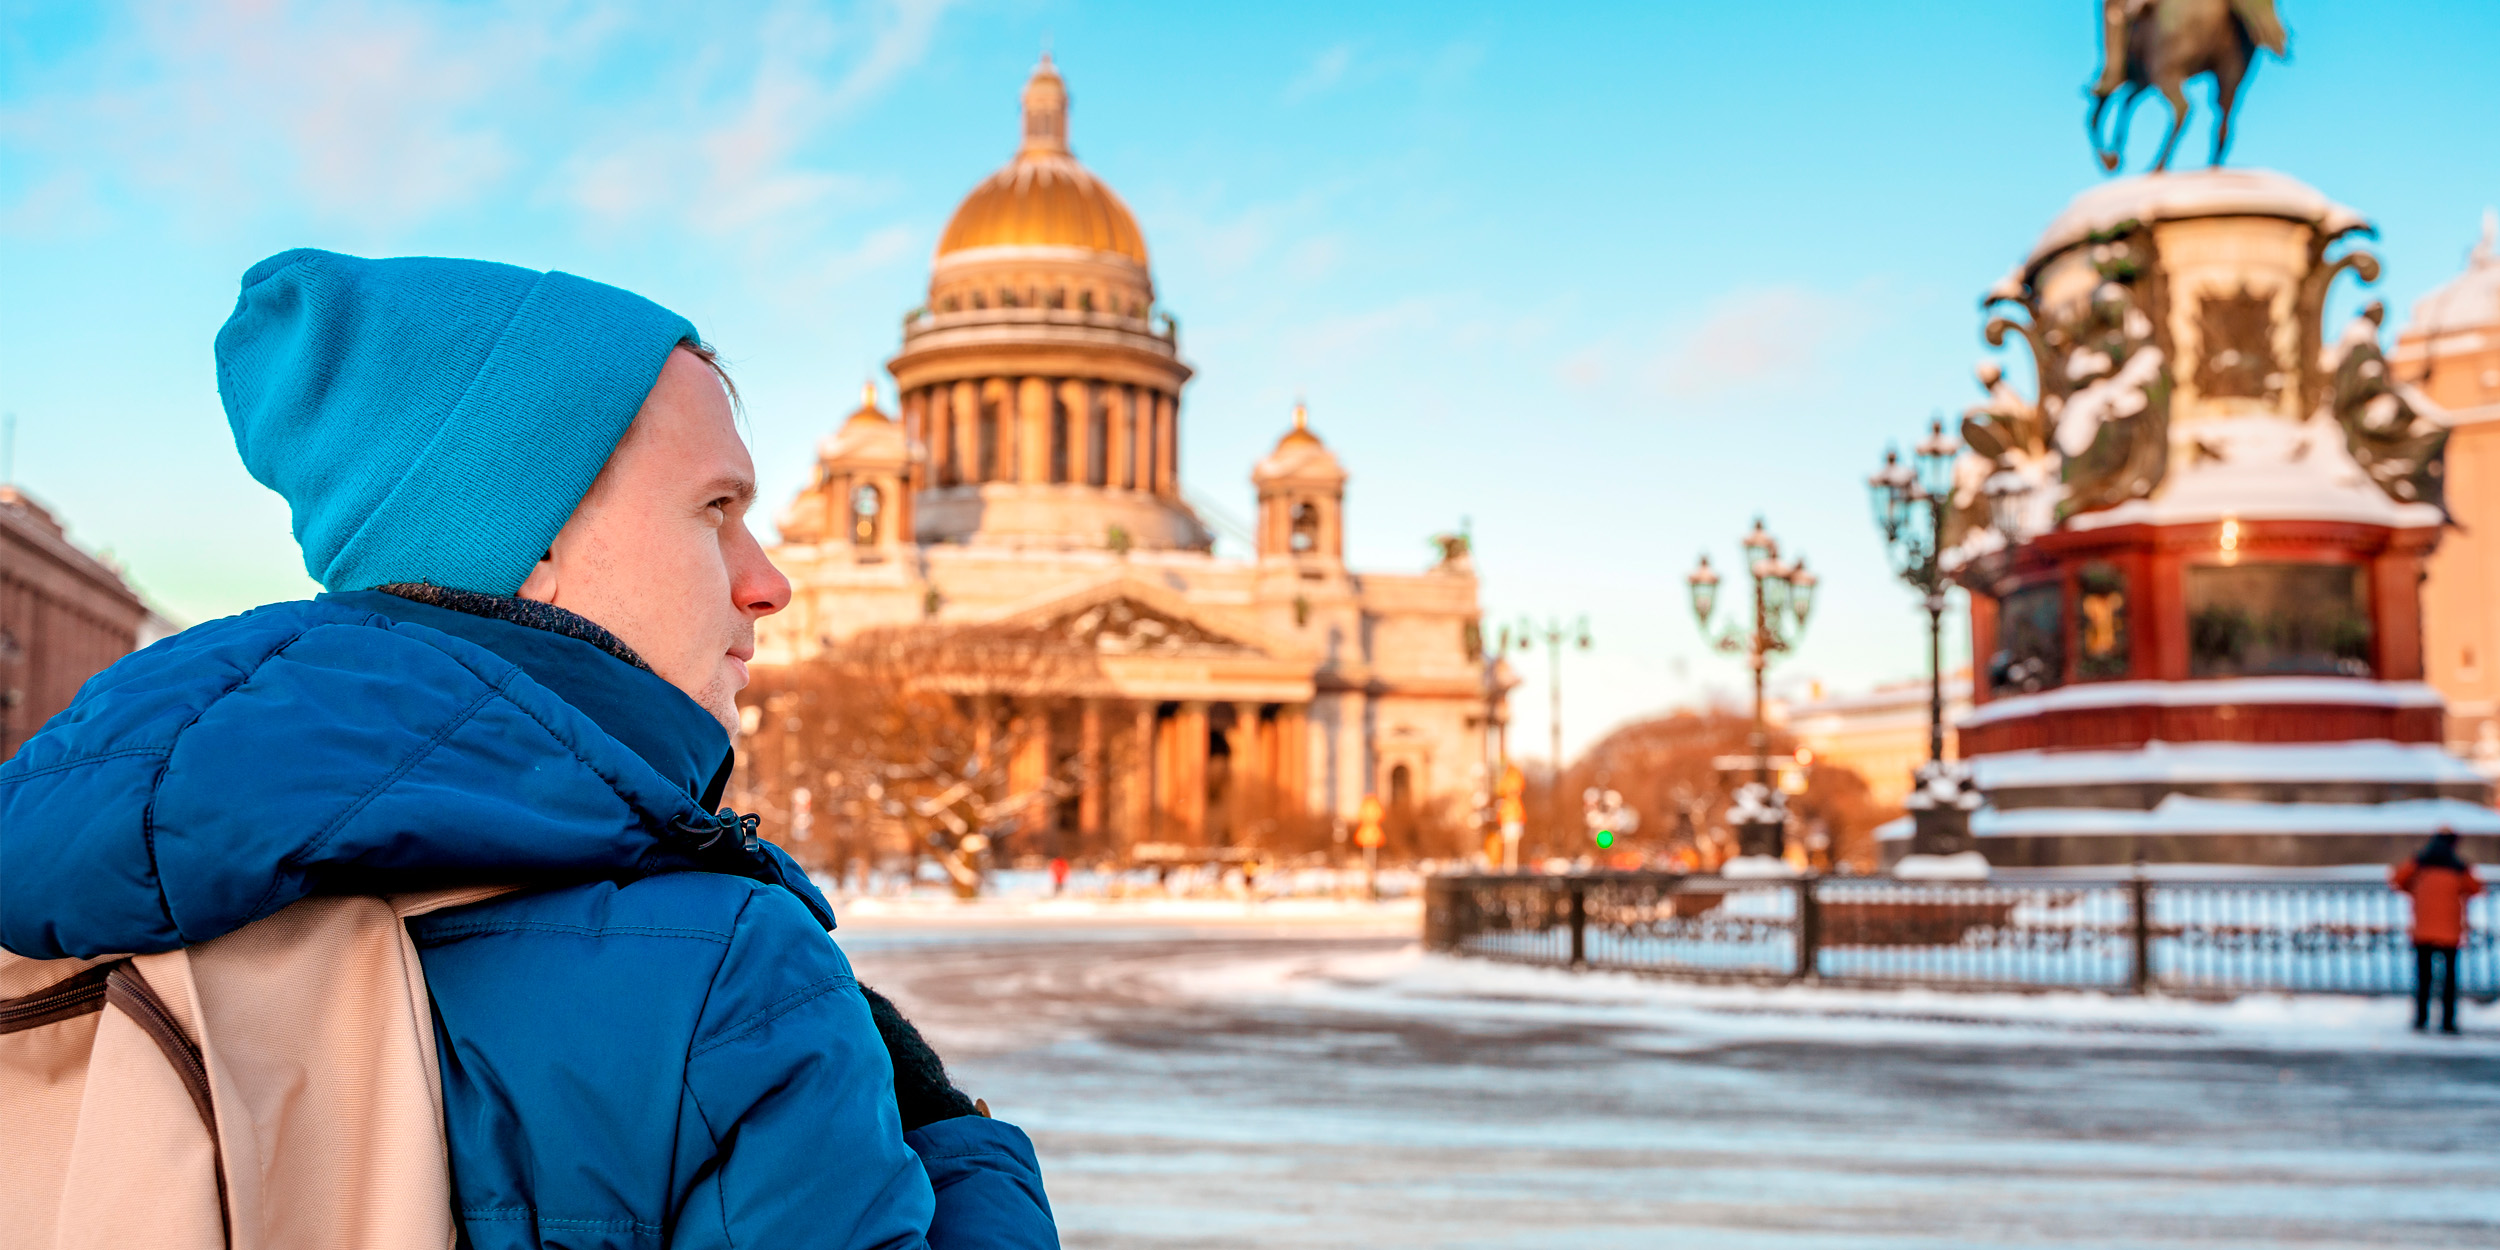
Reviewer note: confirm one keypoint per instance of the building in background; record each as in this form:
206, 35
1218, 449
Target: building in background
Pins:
2450, 353
1030, 479
1880, 735
64, 616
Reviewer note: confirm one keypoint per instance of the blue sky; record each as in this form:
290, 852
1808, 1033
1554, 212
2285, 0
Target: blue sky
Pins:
1605, 279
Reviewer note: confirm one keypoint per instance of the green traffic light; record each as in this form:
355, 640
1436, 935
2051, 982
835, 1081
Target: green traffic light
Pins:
1605, 839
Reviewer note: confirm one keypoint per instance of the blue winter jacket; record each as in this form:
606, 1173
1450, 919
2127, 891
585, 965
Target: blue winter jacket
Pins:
657, 1045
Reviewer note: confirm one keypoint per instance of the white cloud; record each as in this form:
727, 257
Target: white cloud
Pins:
1767, 338
385, 114
1323, 73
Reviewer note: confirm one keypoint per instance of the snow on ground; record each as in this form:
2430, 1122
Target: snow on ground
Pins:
1386, 915
1688, 1015
1221, 1083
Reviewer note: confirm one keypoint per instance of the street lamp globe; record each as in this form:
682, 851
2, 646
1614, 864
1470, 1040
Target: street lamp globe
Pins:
1704, 582
1801, 591
1936, 454
1883, 495
1759, 542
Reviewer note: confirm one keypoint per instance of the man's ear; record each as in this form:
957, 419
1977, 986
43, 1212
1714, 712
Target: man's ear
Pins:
541, 584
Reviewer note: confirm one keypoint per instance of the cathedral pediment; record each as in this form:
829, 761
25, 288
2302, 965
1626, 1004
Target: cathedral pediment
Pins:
1127, 627
1126, 617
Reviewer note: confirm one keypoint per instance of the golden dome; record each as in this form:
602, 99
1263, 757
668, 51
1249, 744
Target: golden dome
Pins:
1043, 198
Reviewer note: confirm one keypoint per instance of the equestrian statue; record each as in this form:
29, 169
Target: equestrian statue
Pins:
2160, 45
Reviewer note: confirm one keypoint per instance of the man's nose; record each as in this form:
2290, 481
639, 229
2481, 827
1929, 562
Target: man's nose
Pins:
758, 588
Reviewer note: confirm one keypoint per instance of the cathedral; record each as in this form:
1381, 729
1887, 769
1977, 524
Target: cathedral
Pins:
1030, 480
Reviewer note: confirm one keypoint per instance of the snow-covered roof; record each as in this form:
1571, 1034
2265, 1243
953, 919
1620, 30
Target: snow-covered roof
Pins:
2194, 193
2372, 760
2260, 467
2183, 814
2471, 300
2240, 691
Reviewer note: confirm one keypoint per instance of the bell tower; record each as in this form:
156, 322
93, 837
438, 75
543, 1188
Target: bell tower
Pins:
862, 496
1301, 500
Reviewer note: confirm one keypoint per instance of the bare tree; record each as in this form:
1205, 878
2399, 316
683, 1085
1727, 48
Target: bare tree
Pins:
1669, 770
904, 742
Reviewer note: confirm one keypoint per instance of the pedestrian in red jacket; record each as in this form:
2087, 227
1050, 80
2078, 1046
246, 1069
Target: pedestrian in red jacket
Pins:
2440, 883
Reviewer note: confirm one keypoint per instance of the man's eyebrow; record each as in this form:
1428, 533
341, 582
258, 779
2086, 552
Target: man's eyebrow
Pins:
738, 488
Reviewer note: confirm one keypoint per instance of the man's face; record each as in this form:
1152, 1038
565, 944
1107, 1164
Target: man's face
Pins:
658, 552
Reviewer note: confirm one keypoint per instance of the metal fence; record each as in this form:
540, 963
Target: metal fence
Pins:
2127, 934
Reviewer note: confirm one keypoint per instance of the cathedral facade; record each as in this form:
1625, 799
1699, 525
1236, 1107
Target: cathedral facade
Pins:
1030, 480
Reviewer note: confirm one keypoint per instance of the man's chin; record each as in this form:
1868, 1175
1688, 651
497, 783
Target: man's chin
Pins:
720, 698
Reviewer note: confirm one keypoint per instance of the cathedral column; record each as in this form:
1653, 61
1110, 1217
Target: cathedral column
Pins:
1116, 436
1167, 447
1295, 723
915, 406
1159, 800
934, 429
963, 407
1247, 794
1089, 765
1189, 779
998, 400
1137, 788
1077, 400
1148, 449
1028, 770
1033, 431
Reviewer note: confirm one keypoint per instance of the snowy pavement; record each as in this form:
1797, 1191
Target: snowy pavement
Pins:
1313, 1080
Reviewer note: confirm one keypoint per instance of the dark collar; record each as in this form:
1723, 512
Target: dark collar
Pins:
584, 665
519, 611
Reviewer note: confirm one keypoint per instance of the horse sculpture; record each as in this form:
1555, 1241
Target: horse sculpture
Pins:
2161, 44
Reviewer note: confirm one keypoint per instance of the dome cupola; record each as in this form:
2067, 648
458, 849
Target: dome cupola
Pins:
1039, 386
1044, 198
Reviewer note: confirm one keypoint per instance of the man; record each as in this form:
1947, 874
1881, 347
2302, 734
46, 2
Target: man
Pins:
2440, 882
526, 496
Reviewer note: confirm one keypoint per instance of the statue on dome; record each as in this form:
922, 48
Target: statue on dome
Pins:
2158, 45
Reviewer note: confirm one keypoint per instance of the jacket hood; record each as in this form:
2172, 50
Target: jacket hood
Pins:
358, 743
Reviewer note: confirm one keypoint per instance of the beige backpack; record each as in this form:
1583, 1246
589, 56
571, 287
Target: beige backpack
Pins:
274, 1089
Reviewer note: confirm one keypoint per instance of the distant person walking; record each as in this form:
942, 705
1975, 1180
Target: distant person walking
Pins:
2439, 882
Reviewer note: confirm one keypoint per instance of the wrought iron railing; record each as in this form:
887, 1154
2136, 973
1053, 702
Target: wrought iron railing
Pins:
2127, 934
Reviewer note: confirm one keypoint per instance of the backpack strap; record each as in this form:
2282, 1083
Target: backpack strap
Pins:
125, 988
74, 996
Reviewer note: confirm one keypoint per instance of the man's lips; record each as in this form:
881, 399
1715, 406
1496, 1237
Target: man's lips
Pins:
738, 664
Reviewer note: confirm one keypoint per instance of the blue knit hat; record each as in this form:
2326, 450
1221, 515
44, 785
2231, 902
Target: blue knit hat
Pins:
432, 420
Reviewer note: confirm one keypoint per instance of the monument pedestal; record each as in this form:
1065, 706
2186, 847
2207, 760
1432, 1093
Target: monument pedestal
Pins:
2203, 640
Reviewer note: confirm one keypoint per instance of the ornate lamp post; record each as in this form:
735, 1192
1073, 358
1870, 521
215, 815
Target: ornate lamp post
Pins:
1783, 597
1554, 635
1909, 501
